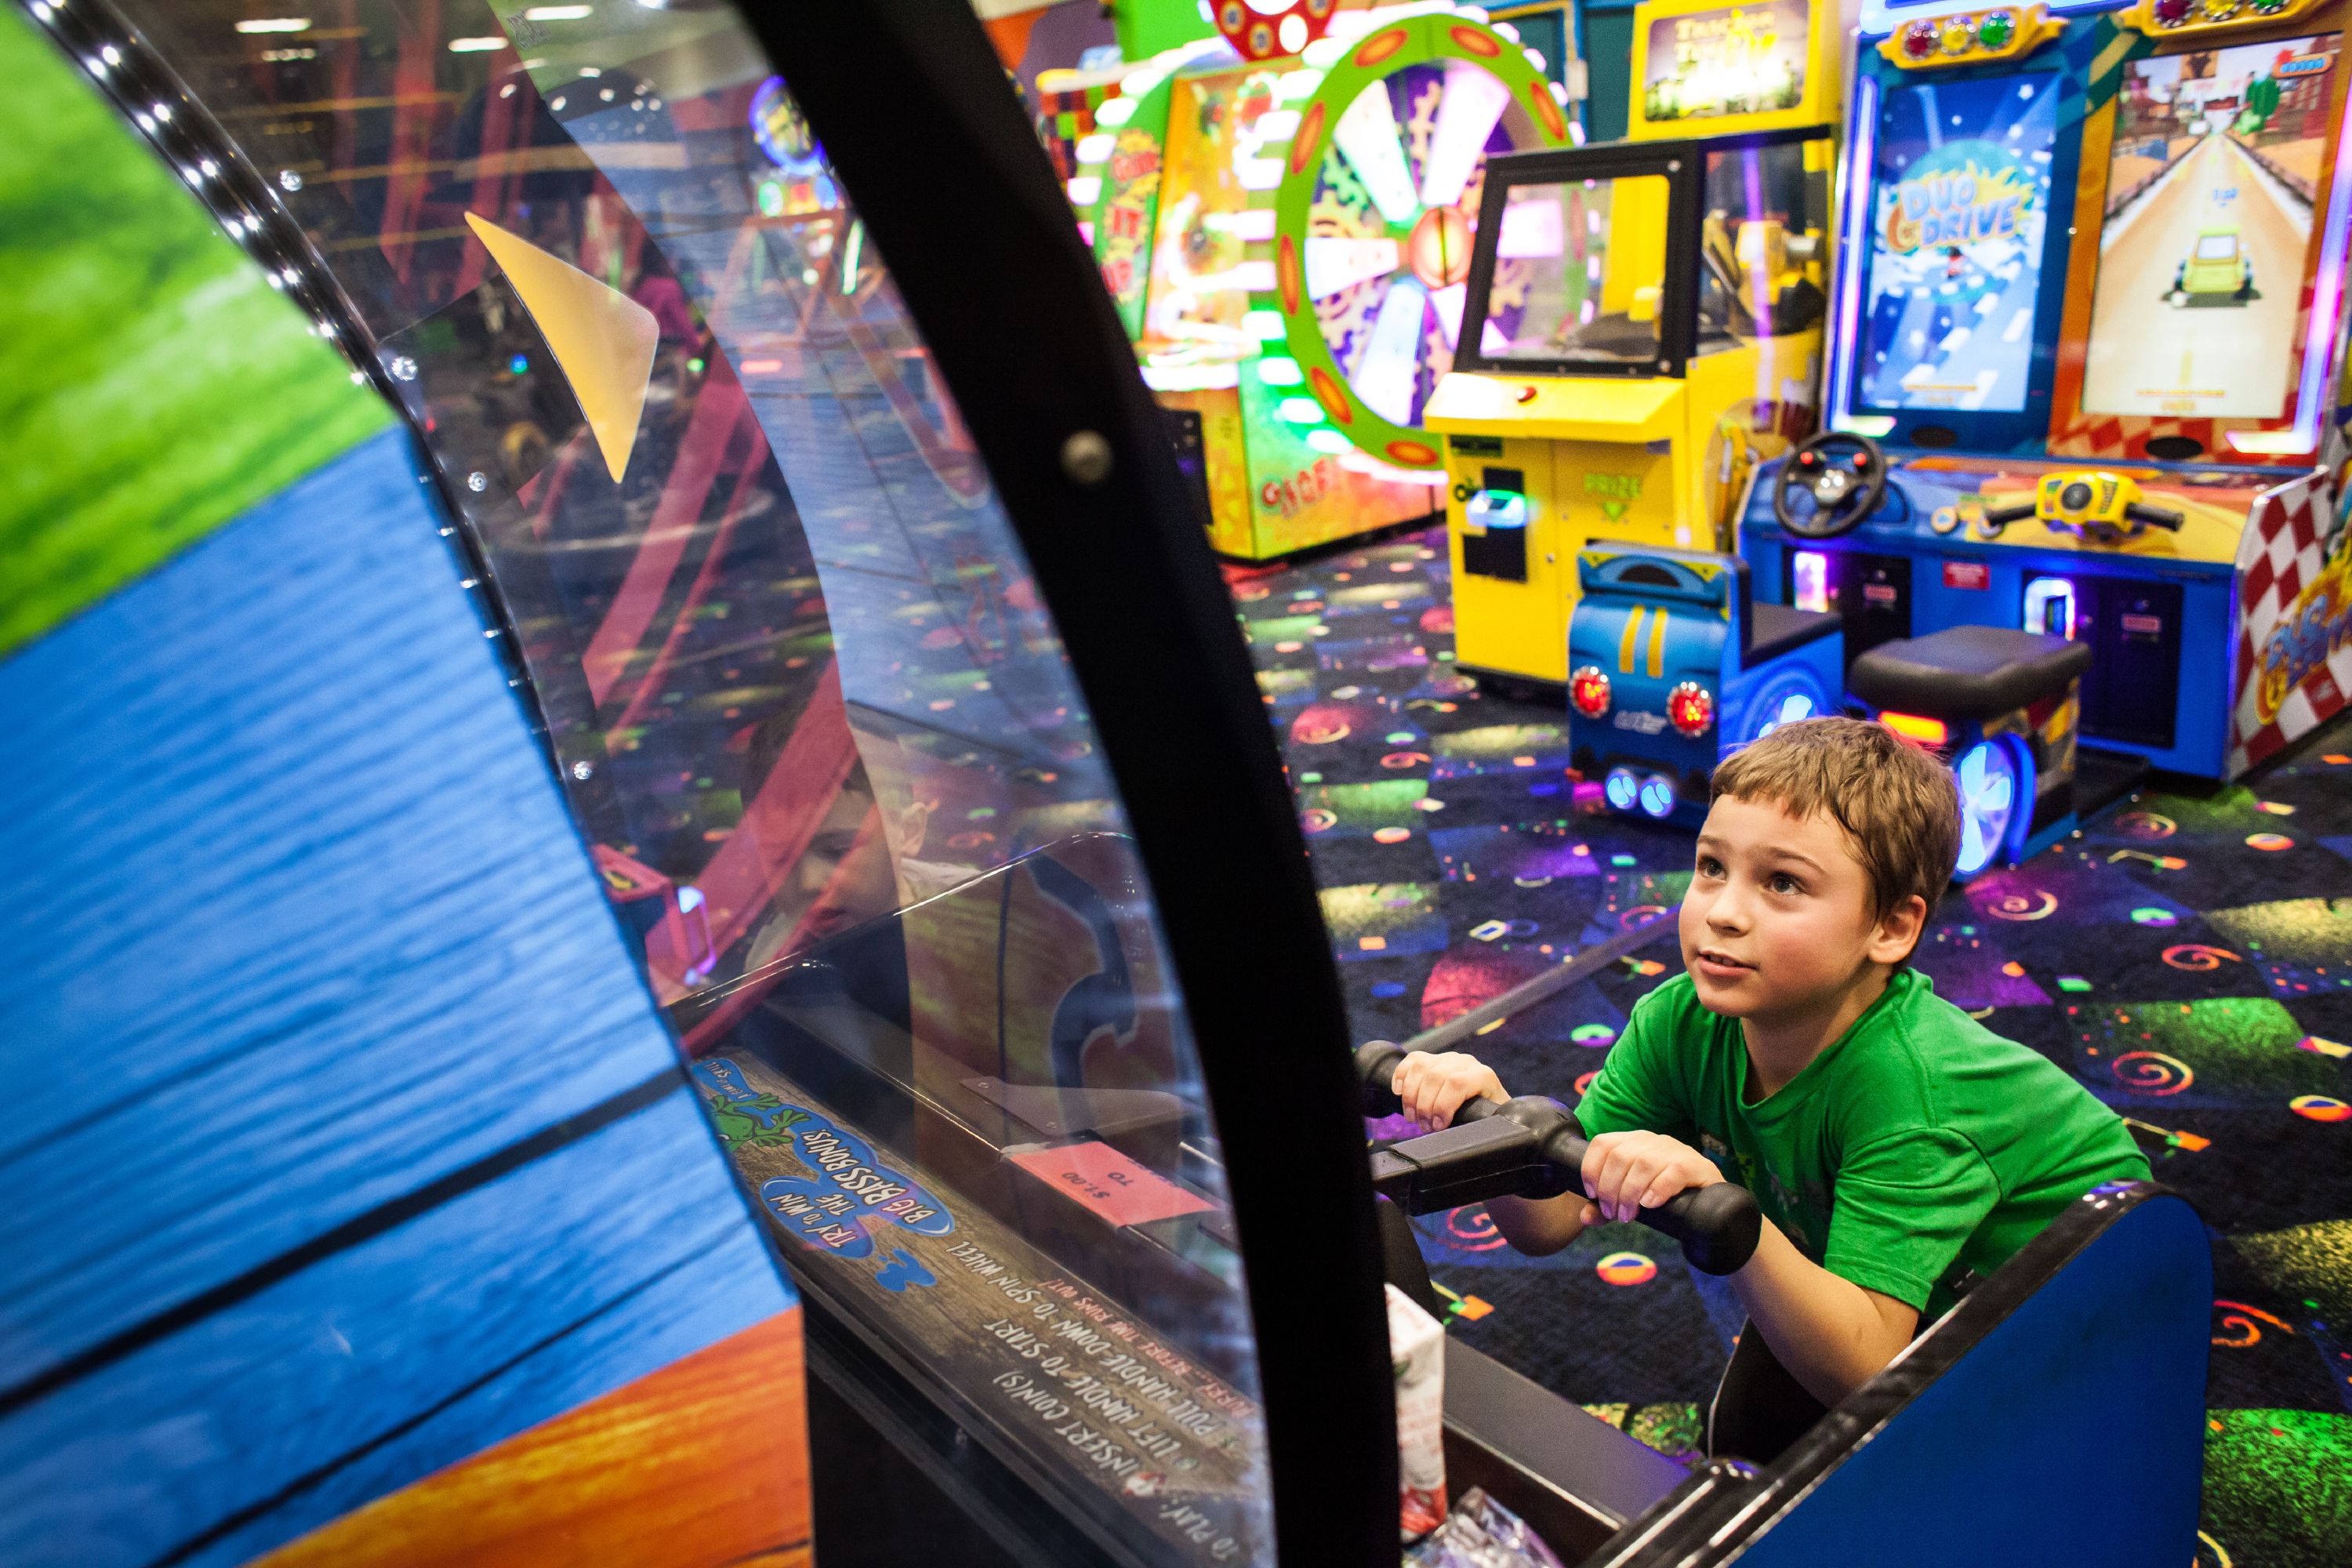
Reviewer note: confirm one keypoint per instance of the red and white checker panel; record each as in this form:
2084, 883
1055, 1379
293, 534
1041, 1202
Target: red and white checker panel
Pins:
2282, 568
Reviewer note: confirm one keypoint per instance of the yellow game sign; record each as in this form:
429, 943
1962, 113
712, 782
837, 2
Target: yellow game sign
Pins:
1726, 59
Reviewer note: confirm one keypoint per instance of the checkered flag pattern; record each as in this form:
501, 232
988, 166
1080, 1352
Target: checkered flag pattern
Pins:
2281, 553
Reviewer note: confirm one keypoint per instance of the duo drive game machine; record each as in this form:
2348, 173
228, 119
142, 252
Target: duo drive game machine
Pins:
2076, 504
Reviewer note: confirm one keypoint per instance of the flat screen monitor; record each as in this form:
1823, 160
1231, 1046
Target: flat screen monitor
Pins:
1962, 281
2206, 232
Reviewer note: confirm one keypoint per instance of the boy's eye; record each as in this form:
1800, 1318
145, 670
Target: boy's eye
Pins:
1784, 884
1708, 866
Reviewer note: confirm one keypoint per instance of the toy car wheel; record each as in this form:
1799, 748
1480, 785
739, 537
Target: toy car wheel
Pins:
1991, 786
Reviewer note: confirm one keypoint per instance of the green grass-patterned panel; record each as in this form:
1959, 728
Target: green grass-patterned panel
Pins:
152, 385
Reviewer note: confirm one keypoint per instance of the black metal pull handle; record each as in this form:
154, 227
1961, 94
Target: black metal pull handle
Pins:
2155, 516
2003, 516
1718, 1225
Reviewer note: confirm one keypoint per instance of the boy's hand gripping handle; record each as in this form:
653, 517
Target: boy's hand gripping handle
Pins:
1532, 1147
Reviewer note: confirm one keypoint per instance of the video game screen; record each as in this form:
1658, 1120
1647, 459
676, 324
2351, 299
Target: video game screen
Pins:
1960, 205
2208, 223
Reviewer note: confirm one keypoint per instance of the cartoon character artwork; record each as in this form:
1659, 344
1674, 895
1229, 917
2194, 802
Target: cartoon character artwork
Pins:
847, 1193
2315, 631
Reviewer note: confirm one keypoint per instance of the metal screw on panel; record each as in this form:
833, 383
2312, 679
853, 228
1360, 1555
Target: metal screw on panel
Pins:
288, 180
478, 481
1085, 459
1664, 365
403, 368
581, 770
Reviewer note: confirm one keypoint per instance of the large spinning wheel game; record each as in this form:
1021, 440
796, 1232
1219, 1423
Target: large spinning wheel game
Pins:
1372, 221
1288, 240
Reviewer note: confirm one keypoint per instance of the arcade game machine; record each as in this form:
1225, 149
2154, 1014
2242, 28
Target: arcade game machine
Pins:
1649, 322
1283, 215
2084, 337
970, 1001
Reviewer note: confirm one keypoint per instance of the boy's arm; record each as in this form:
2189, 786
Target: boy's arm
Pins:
1432, 1088
1830, 1333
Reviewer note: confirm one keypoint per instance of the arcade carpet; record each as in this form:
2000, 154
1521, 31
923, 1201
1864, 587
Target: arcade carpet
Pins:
2188, 958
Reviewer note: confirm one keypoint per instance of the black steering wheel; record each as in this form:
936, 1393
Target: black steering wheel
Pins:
1844, 473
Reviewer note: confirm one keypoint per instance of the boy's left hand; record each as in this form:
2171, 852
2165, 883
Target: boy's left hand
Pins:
1625, 1172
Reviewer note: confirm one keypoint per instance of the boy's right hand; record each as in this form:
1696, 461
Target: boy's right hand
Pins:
1433, 1088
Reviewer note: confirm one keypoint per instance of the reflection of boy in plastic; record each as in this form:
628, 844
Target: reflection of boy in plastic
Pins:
906, 800
840, 878
864, 860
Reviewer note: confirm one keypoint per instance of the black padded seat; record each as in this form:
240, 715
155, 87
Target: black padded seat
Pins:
1967, 672
1774, 629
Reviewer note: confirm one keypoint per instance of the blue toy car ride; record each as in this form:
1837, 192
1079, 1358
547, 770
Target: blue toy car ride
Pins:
1672, 665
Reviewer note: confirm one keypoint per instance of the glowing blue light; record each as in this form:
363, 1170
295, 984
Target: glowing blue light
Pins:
1621, 788
1658, 794
519, 364
1987, 780
1795, 706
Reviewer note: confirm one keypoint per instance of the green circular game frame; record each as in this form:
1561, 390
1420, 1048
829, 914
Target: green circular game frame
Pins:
1374, 57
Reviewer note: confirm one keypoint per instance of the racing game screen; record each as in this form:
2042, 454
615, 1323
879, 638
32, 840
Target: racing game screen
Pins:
1961, 200
2208, 223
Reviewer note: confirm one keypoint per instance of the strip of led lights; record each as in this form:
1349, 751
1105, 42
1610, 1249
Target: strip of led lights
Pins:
251, 211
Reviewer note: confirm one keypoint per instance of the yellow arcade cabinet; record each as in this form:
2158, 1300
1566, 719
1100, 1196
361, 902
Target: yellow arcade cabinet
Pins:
1643, 320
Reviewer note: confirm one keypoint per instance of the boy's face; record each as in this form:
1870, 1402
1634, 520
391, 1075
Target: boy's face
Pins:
1777, 918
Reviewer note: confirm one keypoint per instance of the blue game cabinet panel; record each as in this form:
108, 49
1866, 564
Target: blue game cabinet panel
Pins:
344, 1138
2113, 1342
300, 920
248, 1414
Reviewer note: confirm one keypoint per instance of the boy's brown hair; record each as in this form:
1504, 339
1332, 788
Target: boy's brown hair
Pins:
1897, 804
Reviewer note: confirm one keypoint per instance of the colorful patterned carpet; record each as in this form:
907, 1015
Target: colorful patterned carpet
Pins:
2188, 958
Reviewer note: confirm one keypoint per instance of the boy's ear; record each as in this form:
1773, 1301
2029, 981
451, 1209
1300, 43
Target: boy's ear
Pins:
1899, 930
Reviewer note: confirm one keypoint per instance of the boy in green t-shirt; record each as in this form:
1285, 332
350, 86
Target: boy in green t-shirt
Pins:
1896, 1147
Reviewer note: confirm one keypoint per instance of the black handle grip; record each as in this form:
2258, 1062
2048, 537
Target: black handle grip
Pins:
2003, 516
2155, 516
1376, 1065
1718, 1225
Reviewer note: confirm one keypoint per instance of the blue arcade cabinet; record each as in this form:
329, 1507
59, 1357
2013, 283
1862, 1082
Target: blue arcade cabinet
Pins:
2030, 422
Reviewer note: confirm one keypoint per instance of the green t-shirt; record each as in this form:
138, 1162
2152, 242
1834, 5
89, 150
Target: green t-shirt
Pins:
1917, 1139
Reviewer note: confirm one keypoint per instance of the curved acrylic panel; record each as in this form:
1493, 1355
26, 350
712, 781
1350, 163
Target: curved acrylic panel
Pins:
810, 711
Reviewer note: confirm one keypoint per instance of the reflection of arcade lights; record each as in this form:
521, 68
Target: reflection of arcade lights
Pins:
1811, 570
2050, 607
